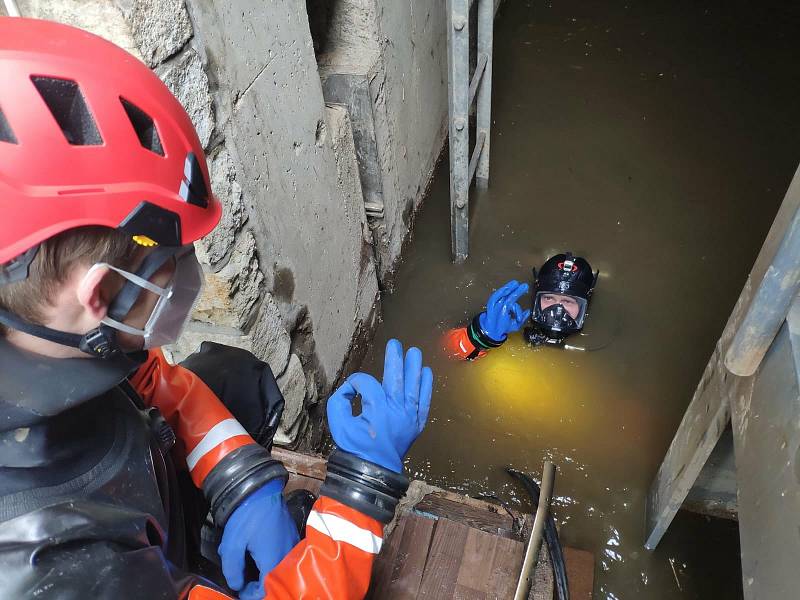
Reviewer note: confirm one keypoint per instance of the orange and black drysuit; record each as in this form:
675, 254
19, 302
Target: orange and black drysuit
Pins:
89, 500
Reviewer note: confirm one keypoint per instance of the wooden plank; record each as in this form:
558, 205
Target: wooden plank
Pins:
444, 561
709, 411
478, 514
383, 567
476, 565
506, 567
310, 465
580, 573
401, 573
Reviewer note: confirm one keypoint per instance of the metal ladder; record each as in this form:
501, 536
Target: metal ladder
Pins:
462, 92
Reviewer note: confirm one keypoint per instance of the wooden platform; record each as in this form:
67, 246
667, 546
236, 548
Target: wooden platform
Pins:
444, 545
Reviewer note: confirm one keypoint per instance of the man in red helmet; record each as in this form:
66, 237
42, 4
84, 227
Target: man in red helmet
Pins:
112, 459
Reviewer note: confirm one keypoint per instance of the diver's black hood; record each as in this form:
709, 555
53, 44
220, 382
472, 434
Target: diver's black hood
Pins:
34, 387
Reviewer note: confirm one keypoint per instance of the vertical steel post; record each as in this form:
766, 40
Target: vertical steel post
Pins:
484, 106
458, 114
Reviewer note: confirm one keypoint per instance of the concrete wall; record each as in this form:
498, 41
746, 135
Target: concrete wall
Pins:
387, 61
293, 270
292, 160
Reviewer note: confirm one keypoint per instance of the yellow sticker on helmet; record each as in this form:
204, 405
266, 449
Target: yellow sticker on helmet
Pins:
145, 241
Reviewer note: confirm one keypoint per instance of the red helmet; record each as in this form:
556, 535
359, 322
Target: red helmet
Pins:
90, 136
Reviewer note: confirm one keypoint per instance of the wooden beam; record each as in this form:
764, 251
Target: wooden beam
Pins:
309, 465
480, 515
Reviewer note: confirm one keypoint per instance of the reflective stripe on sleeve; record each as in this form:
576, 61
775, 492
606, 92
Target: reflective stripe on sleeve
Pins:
222, 431
342, 530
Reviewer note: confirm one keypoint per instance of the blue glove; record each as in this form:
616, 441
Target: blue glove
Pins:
503, 315
392, 414
262, 526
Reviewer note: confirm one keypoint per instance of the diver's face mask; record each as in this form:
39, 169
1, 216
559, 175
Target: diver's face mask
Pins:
175, 300
554, 320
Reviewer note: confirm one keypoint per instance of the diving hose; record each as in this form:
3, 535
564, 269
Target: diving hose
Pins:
538, 498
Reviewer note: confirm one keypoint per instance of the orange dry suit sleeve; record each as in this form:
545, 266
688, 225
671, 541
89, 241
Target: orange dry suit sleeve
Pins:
458, 344
205, 428
470, 342
334, 561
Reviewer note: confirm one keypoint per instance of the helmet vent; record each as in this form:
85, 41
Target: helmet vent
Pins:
144, 127
65, 101
6, 135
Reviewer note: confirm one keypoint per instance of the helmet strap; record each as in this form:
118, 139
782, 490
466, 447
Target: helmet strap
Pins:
98, 342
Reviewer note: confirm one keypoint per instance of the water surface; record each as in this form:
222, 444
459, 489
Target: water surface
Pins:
657, 140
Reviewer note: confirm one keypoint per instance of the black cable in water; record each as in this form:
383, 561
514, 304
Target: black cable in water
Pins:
550, 535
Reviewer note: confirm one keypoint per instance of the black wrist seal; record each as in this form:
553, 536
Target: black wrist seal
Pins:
479, 338
238, 475
364, 486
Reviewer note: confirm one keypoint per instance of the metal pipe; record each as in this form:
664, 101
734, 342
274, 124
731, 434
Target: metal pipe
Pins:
483, 108
532, 551
769, 306
11, 8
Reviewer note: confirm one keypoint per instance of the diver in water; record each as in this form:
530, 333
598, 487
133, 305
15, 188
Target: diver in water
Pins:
561, 292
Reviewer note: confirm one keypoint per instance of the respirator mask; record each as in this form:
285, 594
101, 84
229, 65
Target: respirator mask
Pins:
553, 324
175, 301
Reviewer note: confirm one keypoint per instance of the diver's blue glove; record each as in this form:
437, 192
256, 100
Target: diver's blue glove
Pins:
503, 314
392, 414
262, 526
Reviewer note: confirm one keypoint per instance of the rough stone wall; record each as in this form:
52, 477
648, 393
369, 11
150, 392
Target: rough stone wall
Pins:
318, 191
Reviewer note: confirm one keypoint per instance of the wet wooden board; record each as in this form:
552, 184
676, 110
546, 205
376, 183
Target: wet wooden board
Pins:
309, 465
477, 513
427, 558
580, 573
399, 568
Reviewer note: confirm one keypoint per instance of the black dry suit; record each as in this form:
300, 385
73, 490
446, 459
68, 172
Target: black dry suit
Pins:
90, 504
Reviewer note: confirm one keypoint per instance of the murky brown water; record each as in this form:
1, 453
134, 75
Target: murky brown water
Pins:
656, 139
